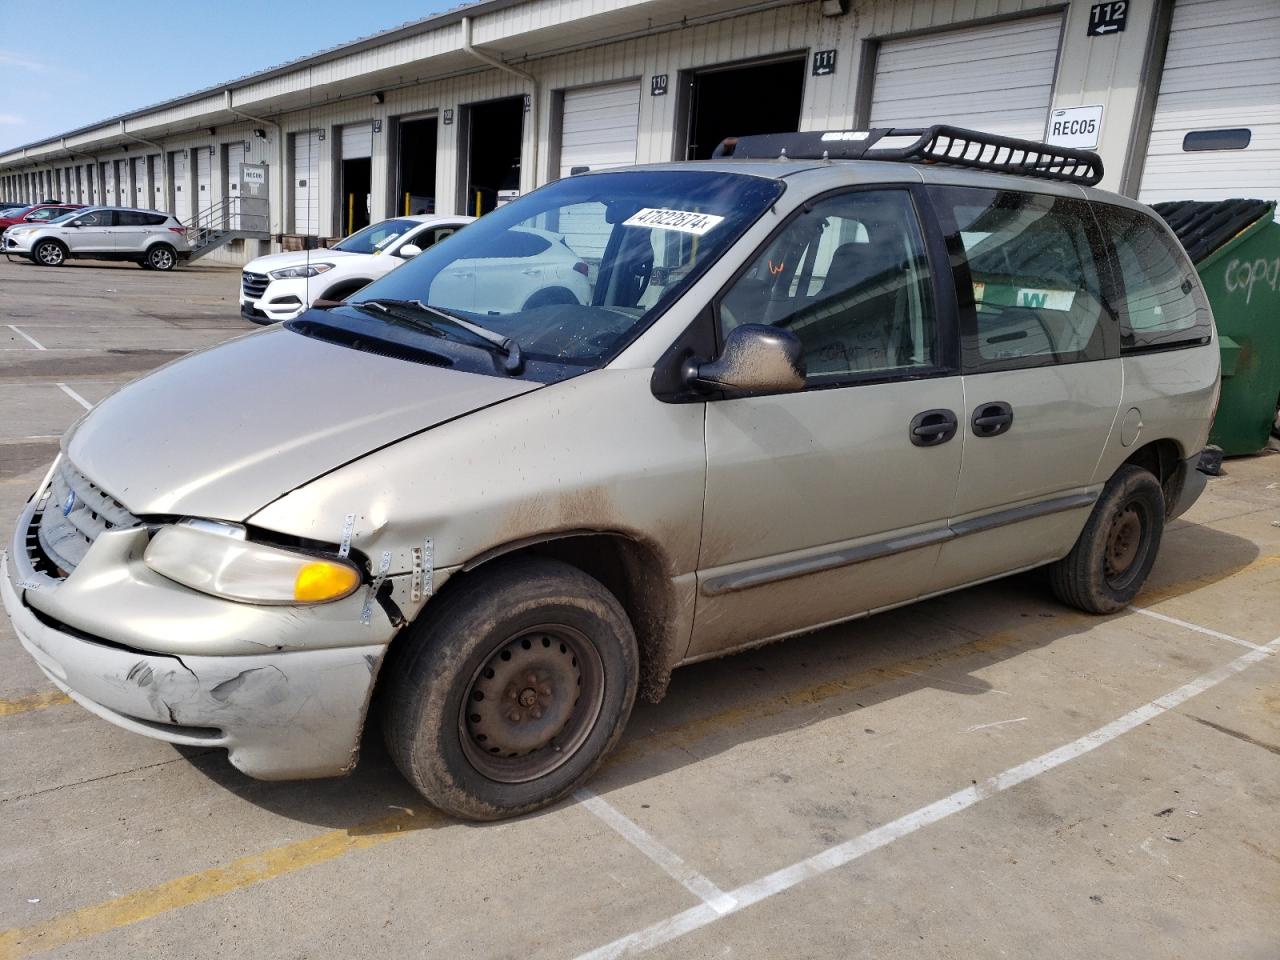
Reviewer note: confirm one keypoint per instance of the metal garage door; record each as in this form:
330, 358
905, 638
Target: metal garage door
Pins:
235, 155
122, 183
357, 141
204, 182
306, 183
997, 78
110, 197
181, 186
1221, 72
141, 191
599, 127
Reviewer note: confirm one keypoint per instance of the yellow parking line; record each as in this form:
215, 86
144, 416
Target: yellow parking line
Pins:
198, 887
217, 881
36, 701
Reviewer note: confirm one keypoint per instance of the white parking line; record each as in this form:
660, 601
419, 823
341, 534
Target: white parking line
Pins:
702, 888
1198, 629
75, 396
27, 337
664, 931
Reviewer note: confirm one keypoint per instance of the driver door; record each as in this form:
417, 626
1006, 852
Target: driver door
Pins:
94, 233
832, 502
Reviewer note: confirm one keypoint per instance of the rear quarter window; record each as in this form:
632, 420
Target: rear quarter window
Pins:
1159, 306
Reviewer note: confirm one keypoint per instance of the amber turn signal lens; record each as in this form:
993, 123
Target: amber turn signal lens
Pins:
322, 581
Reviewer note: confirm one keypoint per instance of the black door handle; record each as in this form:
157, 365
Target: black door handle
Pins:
992, 419
932, 427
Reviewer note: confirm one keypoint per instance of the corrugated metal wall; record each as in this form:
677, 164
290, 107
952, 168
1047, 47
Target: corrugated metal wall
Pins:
1104, 71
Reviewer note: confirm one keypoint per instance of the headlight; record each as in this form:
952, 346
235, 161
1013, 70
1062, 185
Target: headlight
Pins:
298, 273
214, 557
19, 231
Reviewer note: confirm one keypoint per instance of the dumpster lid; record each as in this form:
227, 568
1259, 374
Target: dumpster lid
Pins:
1204, 226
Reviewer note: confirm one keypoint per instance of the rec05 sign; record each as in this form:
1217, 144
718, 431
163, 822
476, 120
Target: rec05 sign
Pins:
1077, 127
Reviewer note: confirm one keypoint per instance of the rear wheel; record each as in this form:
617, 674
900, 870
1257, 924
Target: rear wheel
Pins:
161, 257
511, 690
550, 296
1113, 556
49, 253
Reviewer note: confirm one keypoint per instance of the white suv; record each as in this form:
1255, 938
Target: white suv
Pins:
152, 239
282, 285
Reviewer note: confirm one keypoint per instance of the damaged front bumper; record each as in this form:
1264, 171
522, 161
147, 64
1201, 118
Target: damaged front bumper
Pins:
283, 689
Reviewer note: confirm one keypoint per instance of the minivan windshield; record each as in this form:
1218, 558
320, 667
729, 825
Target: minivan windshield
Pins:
565, 276
376, 237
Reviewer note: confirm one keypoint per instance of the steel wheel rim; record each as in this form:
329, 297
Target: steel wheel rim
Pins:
161, 259
50, 254
526, 714
1125, 544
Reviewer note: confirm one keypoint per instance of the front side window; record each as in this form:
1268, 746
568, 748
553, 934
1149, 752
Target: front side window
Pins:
1029, 285
849, 277
95, 218
1160, 309
376, 237
48, 213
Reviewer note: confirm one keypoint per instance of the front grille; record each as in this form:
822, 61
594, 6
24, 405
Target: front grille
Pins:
254, 285
74, 513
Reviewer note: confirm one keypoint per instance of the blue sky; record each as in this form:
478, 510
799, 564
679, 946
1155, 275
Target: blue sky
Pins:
66, 63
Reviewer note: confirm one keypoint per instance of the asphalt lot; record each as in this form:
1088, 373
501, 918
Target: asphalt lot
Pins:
986, 774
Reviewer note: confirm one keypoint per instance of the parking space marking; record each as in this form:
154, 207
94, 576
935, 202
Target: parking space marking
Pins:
1199, 629
36, 701
674, 927
670, 862
198, 887
27, 337
75, 396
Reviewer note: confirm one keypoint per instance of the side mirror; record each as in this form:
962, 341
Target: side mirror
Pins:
76, 223
409, 251
756, 359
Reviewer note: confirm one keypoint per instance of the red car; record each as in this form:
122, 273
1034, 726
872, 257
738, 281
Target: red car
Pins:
38, 213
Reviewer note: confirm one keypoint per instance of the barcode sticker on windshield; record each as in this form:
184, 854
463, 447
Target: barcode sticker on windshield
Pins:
684, 221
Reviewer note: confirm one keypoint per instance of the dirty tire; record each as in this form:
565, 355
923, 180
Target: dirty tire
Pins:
532, 622
1113, 556
49, 253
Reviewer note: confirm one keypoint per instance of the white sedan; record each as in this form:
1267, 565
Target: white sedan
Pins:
281, 286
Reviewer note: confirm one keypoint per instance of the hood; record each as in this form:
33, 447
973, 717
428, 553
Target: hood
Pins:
298, 258
222, 433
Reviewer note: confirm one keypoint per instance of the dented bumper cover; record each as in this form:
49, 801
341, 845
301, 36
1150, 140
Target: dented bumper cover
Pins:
283, 689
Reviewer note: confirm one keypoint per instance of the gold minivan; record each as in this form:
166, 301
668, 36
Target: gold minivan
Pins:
814, 378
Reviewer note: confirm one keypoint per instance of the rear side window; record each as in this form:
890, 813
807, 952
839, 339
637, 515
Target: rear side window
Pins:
1029, 282
131, 218
1160, 309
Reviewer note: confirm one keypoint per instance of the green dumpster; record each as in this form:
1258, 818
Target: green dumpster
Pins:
1235, 245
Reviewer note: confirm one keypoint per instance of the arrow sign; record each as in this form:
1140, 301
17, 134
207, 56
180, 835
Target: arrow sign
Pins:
1107, 18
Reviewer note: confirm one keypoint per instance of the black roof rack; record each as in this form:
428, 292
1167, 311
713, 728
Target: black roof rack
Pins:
939, 143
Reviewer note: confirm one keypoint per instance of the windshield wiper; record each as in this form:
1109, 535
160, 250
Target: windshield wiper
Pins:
510, 349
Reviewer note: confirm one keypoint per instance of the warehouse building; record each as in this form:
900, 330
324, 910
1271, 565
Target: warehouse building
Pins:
460, 111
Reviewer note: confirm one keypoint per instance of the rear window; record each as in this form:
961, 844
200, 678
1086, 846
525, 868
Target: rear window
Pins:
1159, 305
1028, 280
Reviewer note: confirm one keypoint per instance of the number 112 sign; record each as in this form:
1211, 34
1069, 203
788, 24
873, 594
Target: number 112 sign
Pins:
1105, 18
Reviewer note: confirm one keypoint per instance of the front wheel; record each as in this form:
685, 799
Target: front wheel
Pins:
49, 253
511, 690
1113, 556
161, 257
